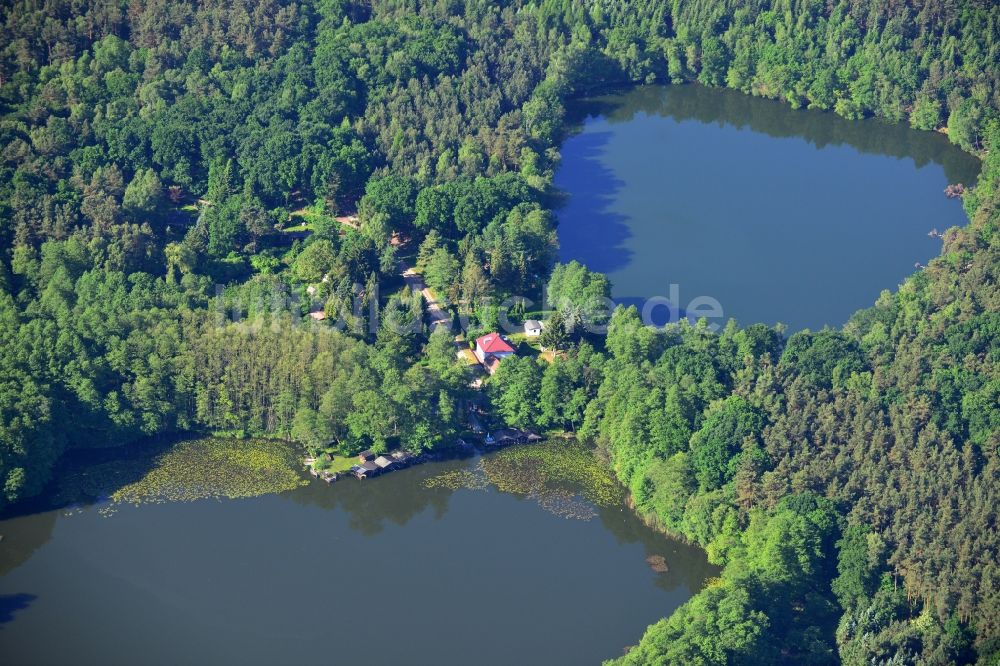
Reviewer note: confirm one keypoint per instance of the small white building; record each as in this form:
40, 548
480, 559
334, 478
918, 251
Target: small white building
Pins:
532, 328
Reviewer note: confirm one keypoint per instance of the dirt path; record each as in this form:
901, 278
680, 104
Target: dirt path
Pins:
436, 315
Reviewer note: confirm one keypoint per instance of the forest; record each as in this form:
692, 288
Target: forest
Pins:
170, 178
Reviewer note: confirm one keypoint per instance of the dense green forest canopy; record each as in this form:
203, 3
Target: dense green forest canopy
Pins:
846, 480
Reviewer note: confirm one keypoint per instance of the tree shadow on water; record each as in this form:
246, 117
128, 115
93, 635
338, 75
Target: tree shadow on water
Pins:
392, 499
10, 604
589, 230
89, 476
722, 107
685, 567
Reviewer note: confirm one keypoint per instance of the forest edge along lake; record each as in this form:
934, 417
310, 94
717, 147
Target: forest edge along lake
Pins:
780, 215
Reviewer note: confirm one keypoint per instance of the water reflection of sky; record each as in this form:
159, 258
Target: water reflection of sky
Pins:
781, 215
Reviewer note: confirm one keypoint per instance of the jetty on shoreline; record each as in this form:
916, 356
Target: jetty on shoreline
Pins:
370, 464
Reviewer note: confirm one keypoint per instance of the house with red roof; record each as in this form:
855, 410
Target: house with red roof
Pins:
491, 349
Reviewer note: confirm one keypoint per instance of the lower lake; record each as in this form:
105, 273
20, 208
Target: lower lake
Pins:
398, 569
799, 217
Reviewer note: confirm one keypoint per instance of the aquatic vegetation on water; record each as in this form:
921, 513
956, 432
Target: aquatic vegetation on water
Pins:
97, 481
468, 479
193, 470
565, 464
564, 503
564, 477
216, 468
658, 563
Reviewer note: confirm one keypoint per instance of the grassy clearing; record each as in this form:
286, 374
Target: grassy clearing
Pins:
338, 464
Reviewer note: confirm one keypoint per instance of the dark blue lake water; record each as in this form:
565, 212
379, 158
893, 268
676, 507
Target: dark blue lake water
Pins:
799, 217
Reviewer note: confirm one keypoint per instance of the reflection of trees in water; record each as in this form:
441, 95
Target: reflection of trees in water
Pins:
86, 476
591, 207
22, 536
398, 497
777, 119
394, 498
371, 505
687, 565
10, 604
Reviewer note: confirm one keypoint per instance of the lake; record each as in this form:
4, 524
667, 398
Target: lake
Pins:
359, 572
799, 217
